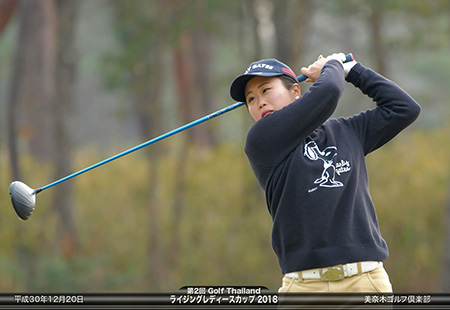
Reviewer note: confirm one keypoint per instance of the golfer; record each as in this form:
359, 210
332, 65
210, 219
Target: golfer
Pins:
313, 171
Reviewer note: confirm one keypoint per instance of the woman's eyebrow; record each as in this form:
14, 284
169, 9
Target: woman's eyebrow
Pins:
260, 85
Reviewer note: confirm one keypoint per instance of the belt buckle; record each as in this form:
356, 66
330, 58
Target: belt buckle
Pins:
334, 273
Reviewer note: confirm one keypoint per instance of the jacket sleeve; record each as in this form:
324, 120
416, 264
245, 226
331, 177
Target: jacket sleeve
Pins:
273, 138
395, 109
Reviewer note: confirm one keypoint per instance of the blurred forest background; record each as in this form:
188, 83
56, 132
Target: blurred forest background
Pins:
83, 80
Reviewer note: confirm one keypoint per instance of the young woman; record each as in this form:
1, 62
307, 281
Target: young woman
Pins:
312, 169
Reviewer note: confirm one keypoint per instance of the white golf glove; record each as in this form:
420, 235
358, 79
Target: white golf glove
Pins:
336, 56
348, 66
341, 58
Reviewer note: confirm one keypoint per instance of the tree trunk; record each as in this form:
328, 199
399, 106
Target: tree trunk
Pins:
145, 72
63, 106
184, 79
30, 94
7, 8
35, 92
291, 20
13, 98
184, 86
445, 275
378, 46
201, 58
249, 43
151, 114
29, 98
149, 118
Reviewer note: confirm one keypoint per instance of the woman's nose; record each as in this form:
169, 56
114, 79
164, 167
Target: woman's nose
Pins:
262, 103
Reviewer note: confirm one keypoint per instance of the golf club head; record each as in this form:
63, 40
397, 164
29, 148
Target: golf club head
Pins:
23, 199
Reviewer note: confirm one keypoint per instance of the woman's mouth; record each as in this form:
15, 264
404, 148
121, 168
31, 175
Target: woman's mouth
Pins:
263, 114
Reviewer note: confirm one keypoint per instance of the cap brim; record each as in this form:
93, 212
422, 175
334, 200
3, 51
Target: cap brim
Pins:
237, 88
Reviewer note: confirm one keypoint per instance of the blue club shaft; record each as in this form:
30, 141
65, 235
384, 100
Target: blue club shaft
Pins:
142, 145
301, 78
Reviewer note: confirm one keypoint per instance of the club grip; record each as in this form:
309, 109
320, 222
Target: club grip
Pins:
349, 57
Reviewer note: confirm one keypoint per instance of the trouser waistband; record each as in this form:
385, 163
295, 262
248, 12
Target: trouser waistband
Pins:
337, 272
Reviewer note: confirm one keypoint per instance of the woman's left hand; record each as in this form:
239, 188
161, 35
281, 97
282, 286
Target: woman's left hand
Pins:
314, 69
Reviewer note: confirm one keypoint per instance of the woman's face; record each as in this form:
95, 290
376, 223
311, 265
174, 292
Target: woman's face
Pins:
265, 95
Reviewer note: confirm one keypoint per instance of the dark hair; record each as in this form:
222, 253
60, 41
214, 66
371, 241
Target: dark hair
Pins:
288, 82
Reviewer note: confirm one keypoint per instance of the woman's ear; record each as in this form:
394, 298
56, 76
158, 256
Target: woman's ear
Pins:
296, 91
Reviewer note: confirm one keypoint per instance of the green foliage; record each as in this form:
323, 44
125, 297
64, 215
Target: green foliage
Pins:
223, 227
136, 32
409, 181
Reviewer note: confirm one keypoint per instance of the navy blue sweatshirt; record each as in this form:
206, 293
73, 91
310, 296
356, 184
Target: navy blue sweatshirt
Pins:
313, 170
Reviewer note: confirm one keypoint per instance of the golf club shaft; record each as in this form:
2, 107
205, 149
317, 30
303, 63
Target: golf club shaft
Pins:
301, 78
140, 146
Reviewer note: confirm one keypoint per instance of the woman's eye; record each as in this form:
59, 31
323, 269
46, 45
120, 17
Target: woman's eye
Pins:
265, 90
249, 100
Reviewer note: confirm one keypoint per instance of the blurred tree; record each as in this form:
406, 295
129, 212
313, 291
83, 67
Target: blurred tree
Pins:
66, 239
30, 97
275, 29
413, 23
136, 68
7, 8
291, 21
31, 94
192, 28
445, 275
248, 39
191, 58
375, 23
36, 111
373, 13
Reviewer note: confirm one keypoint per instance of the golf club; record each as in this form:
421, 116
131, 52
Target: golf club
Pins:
23, 197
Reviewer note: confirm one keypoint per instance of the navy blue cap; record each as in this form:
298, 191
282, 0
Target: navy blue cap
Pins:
265, 67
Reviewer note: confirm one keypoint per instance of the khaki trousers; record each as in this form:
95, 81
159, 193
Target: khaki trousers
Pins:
375, 281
